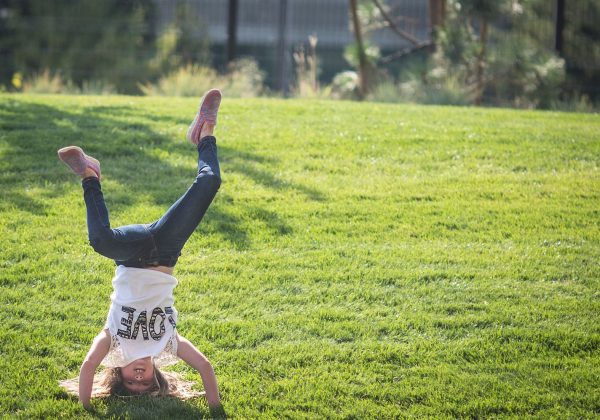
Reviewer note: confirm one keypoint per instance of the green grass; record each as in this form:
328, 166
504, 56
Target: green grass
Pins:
359, 261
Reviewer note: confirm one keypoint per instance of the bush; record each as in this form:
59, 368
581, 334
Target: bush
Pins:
97, 87
345, 85
439, 88
524, 75
574, 103
244, 79
46, 82
506, 68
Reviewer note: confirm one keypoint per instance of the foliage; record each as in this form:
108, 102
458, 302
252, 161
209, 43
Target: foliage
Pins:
484, 9
185, 81
360, 260
507, 67
46, 82
96, 87
372, 53
108, 41
244, 79
182, 43
345, 85
522, 74
441, 87
307, 70
581, 49
574, 103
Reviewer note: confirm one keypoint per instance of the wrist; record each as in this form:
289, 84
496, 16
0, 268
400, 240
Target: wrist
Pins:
217, 411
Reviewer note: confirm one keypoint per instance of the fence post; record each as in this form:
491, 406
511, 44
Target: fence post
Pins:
282, 50
559, 26
232, 30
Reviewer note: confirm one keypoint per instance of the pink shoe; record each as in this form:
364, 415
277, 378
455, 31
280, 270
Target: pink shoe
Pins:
209, 106
78, 161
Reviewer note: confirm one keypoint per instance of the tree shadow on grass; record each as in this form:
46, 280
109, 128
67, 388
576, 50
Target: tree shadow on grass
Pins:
31, 133
145, 407
246, 163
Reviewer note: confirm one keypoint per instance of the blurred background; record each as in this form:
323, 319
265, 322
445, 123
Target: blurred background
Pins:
517, 53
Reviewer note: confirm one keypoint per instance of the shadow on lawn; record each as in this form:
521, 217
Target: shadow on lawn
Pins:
151, 408
32, 133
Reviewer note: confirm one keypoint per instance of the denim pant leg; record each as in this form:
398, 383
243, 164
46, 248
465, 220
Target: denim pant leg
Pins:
121, 244
174, 228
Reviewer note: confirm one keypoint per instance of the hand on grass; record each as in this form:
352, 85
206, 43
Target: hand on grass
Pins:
217, 412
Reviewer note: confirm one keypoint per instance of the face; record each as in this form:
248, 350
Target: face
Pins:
138, 376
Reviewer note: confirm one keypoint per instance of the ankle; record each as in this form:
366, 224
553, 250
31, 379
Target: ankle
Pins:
207, 130
89, 173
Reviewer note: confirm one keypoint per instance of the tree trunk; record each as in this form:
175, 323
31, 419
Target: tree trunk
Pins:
362, 57
437, 14
437, 17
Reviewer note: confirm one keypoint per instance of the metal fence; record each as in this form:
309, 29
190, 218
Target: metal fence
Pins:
270, 30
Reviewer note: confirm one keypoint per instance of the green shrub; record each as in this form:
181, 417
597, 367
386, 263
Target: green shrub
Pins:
186, 81
46, 82
97, 87
574, 103
345, 85
524, 75
439, 88
244, 79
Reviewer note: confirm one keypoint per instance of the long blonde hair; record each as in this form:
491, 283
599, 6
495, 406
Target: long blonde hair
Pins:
109, 382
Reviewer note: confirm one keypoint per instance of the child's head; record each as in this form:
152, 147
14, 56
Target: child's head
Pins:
124, 382
137, 378
140, 377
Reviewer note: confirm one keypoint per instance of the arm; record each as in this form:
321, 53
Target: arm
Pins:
192, 356
98, 350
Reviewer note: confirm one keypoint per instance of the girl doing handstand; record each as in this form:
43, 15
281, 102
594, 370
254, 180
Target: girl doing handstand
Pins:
140, 331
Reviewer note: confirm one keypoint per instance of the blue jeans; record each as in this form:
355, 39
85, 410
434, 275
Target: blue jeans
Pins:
157, 243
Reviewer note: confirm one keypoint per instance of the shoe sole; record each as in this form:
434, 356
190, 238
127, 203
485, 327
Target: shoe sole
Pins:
195, 128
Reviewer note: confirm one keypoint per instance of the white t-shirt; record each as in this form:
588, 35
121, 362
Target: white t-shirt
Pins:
142, 319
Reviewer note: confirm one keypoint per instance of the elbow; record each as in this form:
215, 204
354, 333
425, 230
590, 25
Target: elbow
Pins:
206, 366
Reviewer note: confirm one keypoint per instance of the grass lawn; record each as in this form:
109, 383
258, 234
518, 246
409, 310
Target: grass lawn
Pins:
359, 261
